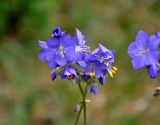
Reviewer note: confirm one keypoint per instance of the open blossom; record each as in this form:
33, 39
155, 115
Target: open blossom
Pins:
80, 49
93, 67
61, 48
57, 49
144, 52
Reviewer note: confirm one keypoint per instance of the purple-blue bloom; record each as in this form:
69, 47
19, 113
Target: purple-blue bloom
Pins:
68, 72
57, 50
106, 57
80, 49
104, 54
143, 51
94, 89
57, 32
94, 67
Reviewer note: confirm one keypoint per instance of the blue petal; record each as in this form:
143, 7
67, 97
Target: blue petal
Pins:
72, 71
53, 75
102, 48
102, 80
42, 44
152, 57
80, 38
98, 72
70, 53
57, 32
154, 42
94, 89
60, 59
63, 76
158, 34
47, 55
67, 71
138, 62
46, 52
82, 64
153, 71
141, 38
66, 41
53, 42
49, 58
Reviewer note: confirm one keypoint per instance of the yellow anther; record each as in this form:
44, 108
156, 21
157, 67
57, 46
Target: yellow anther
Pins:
114, 68
92, 74
110, 73
61, 48
113, 71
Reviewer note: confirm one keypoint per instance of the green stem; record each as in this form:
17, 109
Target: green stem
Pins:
78, 115
84, 110
83, 105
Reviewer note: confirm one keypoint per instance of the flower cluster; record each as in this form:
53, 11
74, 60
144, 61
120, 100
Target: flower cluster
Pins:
144, 52
70, 58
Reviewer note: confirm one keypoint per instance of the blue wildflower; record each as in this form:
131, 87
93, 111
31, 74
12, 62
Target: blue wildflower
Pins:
80, 49
107, 57
57, 32
93, 68
93, 88
57, 50
143, 51
68, 72
104, 54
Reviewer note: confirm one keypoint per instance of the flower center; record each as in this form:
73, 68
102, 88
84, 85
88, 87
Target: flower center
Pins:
140, 52
70, 77
92, 74
60, 47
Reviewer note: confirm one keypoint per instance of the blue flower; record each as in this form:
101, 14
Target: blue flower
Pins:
93, 67
57, 50
106, 57
68, 72
57, 32
153, 70
104, 54
143, 51
80, 49
93, 88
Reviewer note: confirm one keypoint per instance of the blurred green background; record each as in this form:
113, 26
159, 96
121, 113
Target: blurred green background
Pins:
27, 94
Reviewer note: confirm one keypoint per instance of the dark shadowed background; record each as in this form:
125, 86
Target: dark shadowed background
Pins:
27, 94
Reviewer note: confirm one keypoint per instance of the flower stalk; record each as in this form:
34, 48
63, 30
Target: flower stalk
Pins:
70, 58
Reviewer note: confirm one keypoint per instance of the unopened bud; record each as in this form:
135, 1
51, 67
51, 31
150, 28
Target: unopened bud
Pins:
76, 108
156, 91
